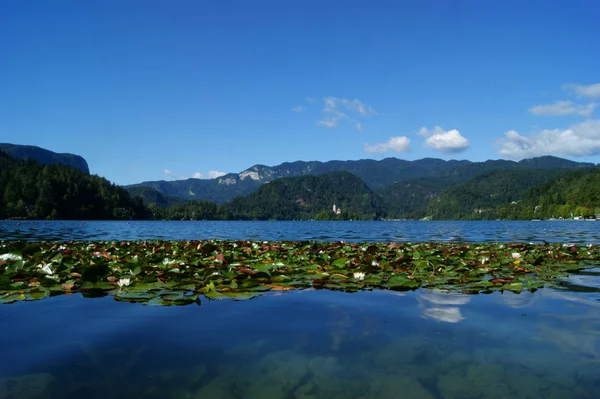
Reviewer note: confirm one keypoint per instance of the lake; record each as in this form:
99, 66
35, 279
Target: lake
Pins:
582, 232
309, 343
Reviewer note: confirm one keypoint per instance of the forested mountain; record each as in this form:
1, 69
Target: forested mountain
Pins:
309, 197
376, 174
35, 191
391, 188
575, 193
154, 198
478, 197
44, 156
409, 199
291, 198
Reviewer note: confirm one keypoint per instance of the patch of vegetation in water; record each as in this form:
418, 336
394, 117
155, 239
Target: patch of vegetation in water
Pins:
179, 272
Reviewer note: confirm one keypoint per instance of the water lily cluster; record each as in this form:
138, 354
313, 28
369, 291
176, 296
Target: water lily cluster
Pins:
179, 272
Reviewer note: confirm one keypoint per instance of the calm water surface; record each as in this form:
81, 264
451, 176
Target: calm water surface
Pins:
379, 231
309, 344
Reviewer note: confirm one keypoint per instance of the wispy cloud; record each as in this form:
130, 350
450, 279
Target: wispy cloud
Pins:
298, 108
561, 108
591, 91
444, 141
172, 174
334, 104
337, 109
329, 121
211, 174
394, 144
581, 139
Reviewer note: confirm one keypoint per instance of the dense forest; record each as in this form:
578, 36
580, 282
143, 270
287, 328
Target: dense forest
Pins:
293, 198
309, 197
540, 188
512, 194
479, 197
30, 190
575, 194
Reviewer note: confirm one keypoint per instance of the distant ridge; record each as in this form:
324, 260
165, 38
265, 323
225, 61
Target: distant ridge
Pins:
45, 157
376, 174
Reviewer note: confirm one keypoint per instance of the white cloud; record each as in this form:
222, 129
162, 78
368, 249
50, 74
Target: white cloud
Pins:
581, 139
170, 173
298, 108
592, 91
396, 144
444, 141
560, 108
337, 109
213, 174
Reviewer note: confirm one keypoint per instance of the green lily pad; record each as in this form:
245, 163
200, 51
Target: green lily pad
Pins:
401, 282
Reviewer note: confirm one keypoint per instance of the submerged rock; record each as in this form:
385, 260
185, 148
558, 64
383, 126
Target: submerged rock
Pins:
31, 386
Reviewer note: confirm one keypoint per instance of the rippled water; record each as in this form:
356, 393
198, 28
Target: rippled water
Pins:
468, 231
309, 344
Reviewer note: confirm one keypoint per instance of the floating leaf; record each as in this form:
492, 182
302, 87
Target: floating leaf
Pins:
401, 281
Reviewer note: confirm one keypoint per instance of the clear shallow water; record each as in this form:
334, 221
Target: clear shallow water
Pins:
309, 344
379, 231
306, 344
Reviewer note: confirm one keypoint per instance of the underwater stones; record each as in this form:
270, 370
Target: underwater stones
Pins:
215, 388
494, 381
278, 372
334, 378
400, 353
397, 387
30, 386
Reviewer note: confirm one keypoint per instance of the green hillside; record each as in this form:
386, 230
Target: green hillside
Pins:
34, 191
478, 197
309, 197
573, 194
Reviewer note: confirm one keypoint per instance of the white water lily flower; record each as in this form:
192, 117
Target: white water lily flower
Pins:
359, 275
10, 257
124, 282
484, 260
46, 269
215, 274
516, 255
374, 263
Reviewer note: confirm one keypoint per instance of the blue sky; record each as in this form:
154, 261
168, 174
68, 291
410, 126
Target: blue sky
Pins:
152, 90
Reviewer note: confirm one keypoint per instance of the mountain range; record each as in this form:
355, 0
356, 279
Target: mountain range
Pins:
363, 189
45, 157
377, 175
